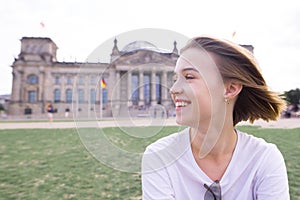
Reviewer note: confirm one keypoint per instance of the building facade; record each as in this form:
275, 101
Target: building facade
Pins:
137, 78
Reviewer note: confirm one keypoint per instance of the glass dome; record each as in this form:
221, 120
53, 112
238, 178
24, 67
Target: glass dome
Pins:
138, 45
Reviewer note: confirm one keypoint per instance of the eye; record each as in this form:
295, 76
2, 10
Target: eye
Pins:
189, 76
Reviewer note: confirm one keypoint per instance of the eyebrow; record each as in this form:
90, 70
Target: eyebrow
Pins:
190, 69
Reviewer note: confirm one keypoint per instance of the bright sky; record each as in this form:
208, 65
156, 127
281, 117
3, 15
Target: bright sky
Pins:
78, 27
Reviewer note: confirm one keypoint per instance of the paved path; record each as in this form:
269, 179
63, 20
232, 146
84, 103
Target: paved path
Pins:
282, 123
86, 124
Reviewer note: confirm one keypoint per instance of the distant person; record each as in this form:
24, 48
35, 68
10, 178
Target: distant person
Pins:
28, 112
287, 113
218, 85
50, 111
67, 111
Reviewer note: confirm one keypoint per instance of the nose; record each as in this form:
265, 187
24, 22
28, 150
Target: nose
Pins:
176, 88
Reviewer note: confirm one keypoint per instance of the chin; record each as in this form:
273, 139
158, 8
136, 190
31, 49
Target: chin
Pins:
178, 121
183, 121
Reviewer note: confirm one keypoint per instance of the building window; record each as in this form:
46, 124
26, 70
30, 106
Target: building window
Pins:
92, 96
33, 79
31, 96
80, 96
57, 80
104, 95
69, 80
27, 48
80, 80
56, 95
93, 80
69, 96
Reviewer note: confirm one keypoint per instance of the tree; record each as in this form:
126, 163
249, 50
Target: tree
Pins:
2, 107
292, 96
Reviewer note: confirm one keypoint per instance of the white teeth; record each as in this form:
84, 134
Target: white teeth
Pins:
181, 104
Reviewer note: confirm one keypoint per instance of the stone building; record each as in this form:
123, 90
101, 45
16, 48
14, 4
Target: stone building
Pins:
137, 78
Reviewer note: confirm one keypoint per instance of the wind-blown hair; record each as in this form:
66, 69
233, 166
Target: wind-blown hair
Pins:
255, 101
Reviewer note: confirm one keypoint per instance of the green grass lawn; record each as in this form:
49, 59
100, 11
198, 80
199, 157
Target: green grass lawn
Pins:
54, 164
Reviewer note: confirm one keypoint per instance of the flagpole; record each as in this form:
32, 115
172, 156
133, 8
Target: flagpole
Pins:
101, 101
102, 86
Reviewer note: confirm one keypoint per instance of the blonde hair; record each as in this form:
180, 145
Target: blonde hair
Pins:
255, 101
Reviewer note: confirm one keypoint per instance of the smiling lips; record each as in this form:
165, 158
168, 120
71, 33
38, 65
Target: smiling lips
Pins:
179, 103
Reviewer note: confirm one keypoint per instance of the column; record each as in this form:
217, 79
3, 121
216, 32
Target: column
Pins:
129, 88
16, 86
86, 90
118, 88
141, 88
164, 88
63, 88
15, 105
22, 88
153, 88
41, 87
117, 95
48, 86
15, 98
111, 81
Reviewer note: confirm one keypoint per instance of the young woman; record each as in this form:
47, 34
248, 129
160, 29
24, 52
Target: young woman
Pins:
218, 84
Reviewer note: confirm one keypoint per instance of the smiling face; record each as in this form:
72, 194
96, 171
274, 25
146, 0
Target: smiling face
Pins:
198, 90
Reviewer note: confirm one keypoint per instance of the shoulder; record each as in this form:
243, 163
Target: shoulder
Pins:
168, 141
258, 148
266, 160
165, 151
251, 141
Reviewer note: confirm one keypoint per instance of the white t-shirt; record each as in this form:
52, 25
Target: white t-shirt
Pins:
256, 171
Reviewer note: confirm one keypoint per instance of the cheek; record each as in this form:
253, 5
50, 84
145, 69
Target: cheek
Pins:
202, 100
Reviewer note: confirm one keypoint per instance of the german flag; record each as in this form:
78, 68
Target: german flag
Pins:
103, 83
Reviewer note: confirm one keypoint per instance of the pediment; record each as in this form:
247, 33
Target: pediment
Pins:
145, 57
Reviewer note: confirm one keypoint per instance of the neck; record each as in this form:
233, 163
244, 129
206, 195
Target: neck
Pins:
213, 141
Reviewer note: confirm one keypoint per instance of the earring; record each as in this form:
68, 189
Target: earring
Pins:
227, 101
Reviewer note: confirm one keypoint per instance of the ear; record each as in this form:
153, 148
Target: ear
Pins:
232, 89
